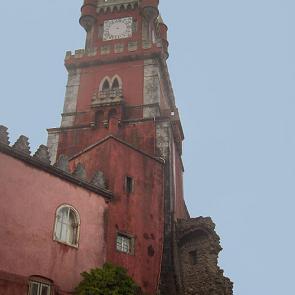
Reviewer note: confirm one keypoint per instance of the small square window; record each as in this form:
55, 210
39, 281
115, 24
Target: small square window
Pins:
129, 184
124, 244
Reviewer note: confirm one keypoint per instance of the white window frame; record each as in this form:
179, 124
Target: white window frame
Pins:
125, 243
40, 283
57, 233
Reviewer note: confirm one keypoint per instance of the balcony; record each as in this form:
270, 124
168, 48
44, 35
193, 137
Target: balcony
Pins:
107, 97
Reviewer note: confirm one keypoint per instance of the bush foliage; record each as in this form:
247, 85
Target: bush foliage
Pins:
110, 280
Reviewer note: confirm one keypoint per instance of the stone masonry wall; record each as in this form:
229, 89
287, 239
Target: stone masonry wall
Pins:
198, 249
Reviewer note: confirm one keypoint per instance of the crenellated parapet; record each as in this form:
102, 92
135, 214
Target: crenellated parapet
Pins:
62, 168
115, 5
198, 249
22, 145
4, 137
42, 155
111, 53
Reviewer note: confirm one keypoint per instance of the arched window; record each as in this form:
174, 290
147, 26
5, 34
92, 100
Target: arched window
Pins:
105, 85
115, 84
39, 286
67, 224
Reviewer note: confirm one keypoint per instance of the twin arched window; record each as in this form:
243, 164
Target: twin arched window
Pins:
108, 84
67, 225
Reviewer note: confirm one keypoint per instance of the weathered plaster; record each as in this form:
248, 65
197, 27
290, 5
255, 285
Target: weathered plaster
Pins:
71, 98
52, 144
163, 139
29, 199
152, 91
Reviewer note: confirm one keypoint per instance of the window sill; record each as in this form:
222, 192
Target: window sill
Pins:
126, 253
67, 244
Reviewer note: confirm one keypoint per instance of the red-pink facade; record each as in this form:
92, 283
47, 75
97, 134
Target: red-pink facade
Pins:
30, 197
139, 213
130, 131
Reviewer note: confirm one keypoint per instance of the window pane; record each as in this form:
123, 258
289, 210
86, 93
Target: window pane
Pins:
119, 243
63, 214
58, 229
61, 224
67, 226
64, 232
123, 244
72, 228
45, 290
34, 288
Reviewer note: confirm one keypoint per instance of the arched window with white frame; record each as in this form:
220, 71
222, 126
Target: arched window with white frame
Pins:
105, 84
40, 286
117, 82
67, 225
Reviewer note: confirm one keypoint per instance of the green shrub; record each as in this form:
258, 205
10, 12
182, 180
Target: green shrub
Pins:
110, 280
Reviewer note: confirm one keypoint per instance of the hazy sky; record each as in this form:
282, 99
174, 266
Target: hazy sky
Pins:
232, 65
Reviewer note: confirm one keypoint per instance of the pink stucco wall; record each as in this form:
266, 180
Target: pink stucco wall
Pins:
29, 198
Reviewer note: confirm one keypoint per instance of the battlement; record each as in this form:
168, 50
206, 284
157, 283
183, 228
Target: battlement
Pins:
113, 49
112, 5
41, 159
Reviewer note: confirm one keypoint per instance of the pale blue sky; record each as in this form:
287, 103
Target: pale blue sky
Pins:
232, 65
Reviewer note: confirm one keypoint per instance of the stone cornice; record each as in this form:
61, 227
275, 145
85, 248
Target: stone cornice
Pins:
82, 59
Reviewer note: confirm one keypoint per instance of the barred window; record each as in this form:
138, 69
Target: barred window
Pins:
125, 244
67, 223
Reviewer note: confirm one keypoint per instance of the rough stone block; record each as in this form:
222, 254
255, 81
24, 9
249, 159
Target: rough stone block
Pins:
42, 154
72, 91
52, 143
67, 120
4, 138
22, 145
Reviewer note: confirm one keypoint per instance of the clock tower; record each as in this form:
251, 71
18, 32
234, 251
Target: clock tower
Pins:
120, 118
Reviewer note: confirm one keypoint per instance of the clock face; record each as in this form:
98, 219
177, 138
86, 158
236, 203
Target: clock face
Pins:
117, 28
